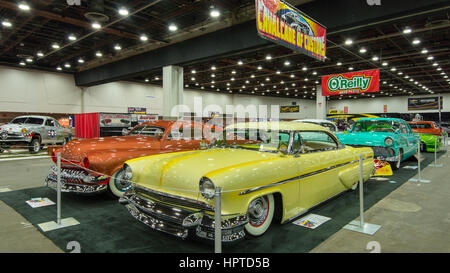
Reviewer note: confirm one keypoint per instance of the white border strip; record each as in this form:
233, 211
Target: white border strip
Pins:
23, 158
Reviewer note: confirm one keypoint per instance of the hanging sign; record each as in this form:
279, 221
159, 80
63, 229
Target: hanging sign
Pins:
351, 83
279, 22
290, 109
425, 103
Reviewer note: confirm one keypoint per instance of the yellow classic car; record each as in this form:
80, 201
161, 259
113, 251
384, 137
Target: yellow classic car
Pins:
286, 169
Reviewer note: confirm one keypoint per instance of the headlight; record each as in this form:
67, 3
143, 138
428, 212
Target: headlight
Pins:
207, 188
24, 131
388, 141
128, 173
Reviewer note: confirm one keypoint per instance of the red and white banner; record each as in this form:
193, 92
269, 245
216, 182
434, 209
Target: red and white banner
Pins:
351, 83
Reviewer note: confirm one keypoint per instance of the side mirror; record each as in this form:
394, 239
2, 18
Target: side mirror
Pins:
125, 131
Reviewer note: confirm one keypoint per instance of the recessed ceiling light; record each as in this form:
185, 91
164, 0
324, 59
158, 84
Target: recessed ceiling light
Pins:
59, 68
213, 67
424, 51
287, 63
292, 75
252, 76
40, 54
156, 78
146, 80
22, 63
214, 13
375, 58
143, 37
278, 72
384, 63
430, 58
393, 69
350, 68
29, 60
304, 68
435, 64
407, 30
24, 6
67, 65
348, 42
80, 61
314, 73
233, 72
339, 63
192, 79
259, 67
268, 57
362, 50
213, 75
240, 63
96, 25
72, 37
6, 23
173, 27
123, 11
416, 41
55, 46
98, 54
193, 71
117, 47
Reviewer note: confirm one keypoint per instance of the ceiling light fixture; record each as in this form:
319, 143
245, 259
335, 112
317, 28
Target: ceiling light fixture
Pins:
24, 6
348, 42
407, 30
214, 13
143, 37
117, 47
6, 23
363, 50
98, 54
416, 41
40, 54
96, 25
173, 27
123, 11
55, 46
72, 37
424, 51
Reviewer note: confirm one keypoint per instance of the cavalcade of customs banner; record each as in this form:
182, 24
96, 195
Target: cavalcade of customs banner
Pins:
278, 21
426, 103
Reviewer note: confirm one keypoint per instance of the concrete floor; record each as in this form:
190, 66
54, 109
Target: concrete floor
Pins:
414, 218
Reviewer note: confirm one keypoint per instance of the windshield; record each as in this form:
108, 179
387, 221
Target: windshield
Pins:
146, 130
376, 126
420, 126
254, 139
28, 120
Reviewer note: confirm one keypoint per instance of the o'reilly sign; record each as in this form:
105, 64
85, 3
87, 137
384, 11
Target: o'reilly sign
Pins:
351, 83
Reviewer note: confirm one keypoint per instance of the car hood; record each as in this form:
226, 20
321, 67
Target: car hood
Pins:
180, 173
9, 127
364, 138
104, 148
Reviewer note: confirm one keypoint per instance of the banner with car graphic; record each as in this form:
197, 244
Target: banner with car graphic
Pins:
283, 24
351, 83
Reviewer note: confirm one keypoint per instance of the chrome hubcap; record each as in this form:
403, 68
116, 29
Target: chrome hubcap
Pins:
36, 146
120, 182
258, 210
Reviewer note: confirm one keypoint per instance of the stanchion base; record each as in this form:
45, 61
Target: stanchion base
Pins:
52, 225
436, 165
367, 228
419, 180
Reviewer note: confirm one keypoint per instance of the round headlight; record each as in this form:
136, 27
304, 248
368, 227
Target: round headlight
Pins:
388, 141
128, 173
24, 131
207, 188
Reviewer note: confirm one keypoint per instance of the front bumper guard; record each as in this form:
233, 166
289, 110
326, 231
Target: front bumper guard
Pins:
51, 182
179, 221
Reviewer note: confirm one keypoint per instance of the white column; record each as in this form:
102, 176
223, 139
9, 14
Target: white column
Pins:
172, 90
321, 104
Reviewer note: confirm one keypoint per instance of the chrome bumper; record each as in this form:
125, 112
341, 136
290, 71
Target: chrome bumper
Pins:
51, 182
73, 180
179, 221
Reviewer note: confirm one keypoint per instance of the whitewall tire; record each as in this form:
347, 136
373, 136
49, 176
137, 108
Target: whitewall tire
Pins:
260, 214
117, 185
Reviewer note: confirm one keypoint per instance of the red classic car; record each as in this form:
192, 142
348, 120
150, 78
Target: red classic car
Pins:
425, 127
95, 165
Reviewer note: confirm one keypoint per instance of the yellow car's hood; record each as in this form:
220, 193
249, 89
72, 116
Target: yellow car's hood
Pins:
180, 173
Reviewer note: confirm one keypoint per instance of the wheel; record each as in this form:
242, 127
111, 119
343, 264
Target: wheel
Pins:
397, 163
117, 186
35, 146
260, 215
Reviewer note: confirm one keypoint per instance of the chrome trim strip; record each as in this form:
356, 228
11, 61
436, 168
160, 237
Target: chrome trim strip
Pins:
300, 177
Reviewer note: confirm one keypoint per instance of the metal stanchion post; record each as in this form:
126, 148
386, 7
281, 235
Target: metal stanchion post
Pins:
58, 189
217, 222
360, 226
59, 223
435, 155
418, 168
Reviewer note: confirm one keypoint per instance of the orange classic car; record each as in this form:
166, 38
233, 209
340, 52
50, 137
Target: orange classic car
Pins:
425, 127
94, 165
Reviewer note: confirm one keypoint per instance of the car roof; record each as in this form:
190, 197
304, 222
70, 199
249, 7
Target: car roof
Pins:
422, 121
279, 125
33, 116
314, 120
391, 119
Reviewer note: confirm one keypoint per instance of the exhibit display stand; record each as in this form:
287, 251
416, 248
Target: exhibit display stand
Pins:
217, 222
418, 167
435, 156
59, 223
361, 226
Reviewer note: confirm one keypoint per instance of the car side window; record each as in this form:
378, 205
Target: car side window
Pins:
403, 129
314, 141
50, 122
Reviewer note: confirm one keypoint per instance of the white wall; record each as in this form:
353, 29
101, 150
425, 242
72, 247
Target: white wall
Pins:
376, 105
24, 90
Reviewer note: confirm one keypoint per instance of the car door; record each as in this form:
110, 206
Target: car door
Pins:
50, 132
320, 159
412, 139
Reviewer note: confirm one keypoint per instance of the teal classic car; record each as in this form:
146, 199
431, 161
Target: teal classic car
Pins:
391, 139
427, 142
